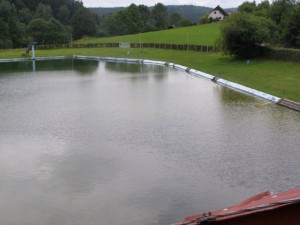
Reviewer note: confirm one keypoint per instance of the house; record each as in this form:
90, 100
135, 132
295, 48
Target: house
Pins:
217, 14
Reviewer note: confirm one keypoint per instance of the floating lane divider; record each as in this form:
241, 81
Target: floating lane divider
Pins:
229, 84
226, 83
248, 90
194, 72
110, 59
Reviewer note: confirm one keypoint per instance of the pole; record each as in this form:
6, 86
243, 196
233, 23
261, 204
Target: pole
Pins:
32, 49
187, 40
140, 40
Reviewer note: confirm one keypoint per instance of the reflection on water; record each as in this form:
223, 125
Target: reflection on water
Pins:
133, 144
82, 66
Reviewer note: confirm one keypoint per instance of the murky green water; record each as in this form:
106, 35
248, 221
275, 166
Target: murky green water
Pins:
89, 143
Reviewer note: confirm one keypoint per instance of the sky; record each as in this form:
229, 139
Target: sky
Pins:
207, 3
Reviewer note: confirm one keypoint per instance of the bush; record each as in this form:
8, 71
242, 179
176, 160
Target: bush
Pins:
204, 19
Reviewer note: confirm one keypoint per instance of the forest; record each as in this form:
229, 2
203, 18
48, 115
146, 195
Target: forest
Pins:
44, 21
62, 21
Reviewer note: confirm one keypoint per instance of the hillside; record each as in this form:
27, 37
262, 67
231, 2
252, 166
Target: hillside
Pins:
191, 12
198, 35
104, 11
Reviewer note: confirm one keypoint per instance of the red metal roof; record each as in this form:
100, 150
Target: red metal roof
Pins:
262, 207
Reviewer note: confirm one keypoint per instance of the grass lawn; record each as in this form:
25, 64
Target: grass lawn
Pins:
195, 35
278, 78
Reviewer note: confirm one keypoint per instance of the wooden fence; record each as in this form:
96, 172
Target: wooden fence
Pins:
198, 48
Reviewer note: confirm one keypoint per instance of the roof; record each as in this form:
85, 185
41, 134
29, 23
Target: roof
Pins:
256, 205
221, 10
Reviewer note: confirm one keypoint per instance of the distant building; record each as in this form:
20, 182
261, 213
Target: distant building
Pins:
217, 14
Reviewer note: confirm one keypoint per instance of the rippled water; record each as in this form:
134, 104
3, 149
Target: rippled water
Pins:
86, 142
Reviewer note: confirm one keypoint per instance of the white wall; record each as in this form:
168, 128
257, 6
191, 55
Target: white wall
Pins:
216, 14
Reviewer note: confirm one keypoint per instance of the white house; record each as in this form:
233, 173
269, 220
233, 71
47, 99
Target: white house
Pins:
217, 14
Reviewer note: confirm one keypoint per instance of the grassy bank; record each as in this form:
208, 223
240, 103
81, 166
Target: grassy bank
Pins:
194, 35
281, 79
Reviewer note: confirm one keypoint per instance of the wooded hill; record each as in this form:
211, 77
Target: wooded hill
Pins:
44, 21
62, 21
190, 12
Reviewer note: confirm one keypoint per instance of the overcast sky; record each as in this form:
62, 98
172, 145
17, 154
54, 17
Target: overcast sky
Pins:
207, 3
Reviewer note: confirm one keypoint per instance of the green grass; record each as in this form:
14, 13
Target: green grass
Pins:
278, 78
196, 35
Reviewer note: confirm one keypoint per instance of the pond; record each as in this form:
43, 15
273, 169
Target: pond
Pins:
95, 142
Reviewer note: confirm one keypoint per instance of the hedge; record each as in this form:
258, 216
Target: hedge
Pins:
291, 55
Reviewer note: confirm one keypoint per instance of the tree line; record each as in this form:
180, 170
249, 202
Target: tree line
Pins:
61, 21
140, 18
191, 12
246, 33
44, 21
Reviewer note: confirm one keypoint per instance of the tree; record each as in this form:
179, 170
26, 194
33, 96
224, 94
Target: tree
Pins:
16, 32
110, 24
204, 19
159, 16
19, 4
7, 10
174, 19
39, 30
186, 23
63, 14
145, 16
242, 35
262, 9
135, 23
84, 23
280, 9
291, 32
44, 11
25, 15
58, 33
126, 21
247, 7
5, 41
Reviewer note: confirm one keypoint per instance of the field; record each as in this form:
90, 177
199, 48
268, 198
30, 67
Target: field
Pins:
196, 35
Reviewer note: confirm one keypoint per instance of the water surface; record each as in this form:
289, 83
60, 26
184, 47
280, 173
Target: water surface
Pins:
87, 142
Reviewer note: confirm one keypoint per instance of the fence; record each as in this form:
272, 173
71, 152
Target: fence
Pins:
198, 48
